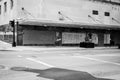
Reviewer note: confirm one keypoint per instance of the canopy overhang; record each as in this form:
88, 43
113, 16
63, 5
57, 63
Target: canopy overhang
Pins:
68, 25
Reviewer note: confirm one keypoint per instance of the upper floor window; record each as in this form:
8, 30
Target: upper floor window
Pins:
95, 12
5, 6
0, 9
11, 4
107, 14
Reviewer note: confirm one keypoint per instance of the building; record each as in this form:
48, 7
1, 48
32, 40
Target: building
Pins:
61, 22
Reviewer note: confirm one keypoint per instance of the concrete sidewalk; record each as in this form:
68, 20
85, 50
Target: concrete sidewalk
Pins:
4, 45
7, 46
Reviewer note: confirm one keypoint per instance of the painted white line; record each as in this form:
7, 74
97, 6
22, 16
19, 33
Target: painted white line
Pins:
103, 61
6, 68
37, 61
19, 56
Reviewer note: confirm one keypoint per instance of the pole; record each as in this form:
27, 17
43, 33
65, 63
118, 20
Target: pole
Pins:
14, 30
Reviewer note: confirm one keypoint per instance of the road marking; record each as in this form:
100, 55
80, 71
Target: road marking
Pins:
19, 56
2, 67
37, 61
103, 61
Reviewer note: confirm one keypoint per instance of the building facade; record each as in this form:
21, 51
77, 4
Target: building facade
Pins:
61, 22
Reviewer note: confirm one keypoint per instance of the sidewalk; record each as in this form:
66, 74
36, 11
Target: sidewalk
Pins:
6, 46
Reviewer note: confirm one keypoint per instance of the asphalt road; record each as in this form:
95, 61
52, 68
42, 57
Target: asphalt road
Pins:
60, 64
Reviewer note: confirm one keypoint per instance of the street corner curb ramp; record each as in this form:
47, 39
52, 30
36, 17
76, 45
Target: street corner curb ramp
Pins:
4, 46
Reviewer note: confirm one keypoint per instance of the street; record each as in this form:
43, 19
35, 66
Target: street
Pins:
67, 63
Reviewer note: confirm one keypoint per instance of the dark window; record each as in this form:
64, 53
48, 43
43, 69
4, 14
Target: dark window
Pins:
107, 14
11, 4
95, 12
5, 6
0, 9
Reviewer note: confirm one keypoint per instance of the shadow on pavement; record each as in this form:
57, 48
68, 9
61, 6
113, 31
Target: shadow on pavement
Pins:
60, 74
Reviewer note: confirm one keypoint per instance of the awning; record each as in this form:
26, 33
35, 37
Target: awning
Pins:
48, 23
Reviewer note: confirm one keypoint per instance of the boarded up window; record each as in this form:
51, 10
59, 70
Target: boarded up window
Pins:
106, 38
72, 38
